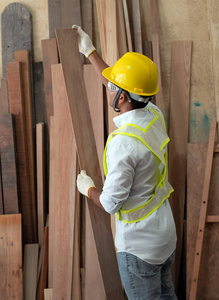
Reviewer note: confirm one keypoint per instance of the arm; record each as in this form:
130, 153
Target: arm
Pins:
99, 65
94, 195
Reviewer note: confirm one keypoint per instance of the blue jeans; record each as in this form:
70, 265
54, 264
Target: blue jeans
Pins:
143, 281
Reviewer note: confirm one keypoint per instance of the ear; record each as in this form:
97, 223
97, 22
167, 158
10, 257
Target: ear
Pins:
123, 98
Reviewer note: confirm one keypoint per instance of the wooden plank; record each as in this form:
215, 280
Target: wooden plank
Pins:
48, 294
63, 14
92, 265
52, 202
212, 219
41, 200
76, 278
87, 20
11, 281
127, 26
178, 133
208, 277
4, 96
94, 90
31, 253
22, 56
1, 195
81, 121
121, 35
50, 57
64, 189
16, 107
154, 13
16, 28
44, 268
203, 212
147, 49
137, 26
9, 164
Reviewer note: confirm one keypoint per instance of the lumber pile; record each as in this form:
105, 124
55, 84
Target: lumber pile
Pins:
54, 119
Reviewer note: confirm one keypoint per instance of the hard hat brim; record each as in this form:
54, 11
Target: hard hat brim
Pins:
107, 73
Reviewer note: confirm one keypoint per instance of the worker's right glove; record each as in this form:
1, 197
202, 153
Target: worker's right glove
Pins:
84, 42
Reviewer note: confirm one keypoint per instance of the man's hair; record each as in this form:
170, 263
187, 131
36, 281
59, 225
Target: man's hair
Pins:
137, 104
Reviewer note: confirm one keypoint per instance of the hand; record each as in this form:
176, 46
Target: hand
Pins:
84, 183
84, 42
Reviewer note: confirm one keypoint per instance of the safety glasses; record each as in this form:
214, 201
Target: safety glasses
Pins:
112, 87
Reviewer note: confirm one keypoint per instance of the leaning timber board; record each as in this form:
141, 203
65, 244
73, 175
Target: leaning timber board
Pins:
11, 281
22, 56
16, 107
44, 267
94, 90
64, 189
121, 35
1, 195
154, 13
50, 57
208, 288
63, 14
4, 96
77, 261
85, 141
16, 27
8, 164
178, 133
41, 183
137, 26
52, 200
31, 254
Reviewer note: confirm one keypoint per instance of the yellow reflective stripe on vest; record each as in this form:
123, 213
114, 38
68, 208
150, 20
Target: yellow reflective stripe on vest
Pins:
156, 137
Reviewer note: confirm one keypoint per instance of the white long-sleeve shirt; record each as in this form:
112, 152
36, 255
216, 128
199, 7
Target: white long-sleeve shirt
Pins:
131, 179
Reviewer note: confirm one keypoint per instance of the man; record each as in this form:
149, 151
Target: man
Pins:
136, 187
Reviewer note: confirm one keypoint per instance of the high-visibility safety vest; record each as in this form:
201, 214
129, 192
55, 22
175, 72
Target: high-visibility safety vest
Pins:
155, 138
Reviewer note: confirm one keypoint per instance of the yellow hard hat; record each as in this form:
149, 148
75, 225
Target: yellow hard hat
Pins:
135, 73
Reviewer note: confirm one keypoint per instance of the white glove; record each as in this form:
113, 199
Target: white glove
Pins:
84, 42
84, 183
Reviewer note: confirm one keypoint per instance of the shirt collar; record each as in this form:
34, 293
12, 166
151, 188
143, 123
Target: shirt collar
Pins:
130, 116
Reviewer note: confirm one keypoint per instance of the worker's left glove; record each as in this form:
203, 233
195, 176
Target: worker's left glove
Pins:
84, 42
84, 183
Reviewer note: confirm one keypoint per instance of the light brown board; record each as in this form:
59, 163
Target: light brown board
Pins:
50, 57
84, 136
31, 253
154, 13
64, 190
178, 133
208, 276
52, 201
11, 281
137, 26
48, 294
16, 107
121, 35
9, 164
41, 200
76, 277
127, 26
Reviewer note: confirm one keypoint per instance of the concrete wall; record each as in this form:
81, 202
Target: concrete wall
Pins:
195, 20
